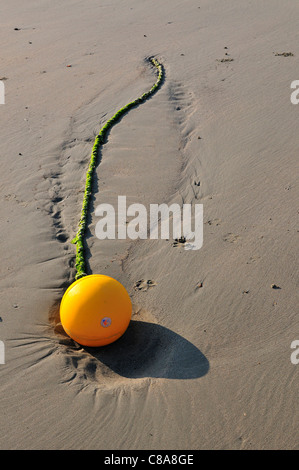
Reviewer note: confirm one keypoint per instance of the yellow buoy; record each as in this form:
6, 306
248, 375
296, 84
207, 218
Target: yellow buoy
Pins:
95, 310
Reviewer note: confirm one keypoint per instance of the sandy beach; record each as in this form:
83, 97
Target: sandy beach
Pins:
206, 360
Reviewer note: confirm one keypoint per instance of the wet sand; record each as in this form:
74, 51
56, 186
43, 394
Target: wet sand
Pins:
205, 362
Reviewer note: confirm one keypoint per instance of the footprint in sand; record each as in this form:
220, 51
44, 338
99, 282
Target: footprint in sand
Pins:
231, 238
226, 59
284, 54
253, 259
179, 241
144, 285
213, 222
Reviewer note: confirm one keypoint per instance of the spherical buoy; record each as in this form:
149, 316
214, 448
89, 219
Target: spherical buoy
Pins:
95, 310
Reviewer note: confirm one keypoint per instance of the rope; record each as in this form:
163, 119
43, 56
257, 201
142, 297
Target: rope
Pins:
100, 140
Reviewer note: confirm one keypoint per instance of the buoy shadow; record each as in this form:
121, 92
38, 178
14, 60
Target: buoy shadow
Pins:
151, 350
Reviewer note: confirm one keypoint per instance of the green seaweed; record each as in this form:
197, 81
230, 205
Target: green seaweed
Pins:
99, 140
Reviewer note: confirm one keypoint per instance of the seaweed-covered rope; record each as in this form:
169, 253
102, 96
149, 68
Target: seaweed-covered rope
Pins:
99, 140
